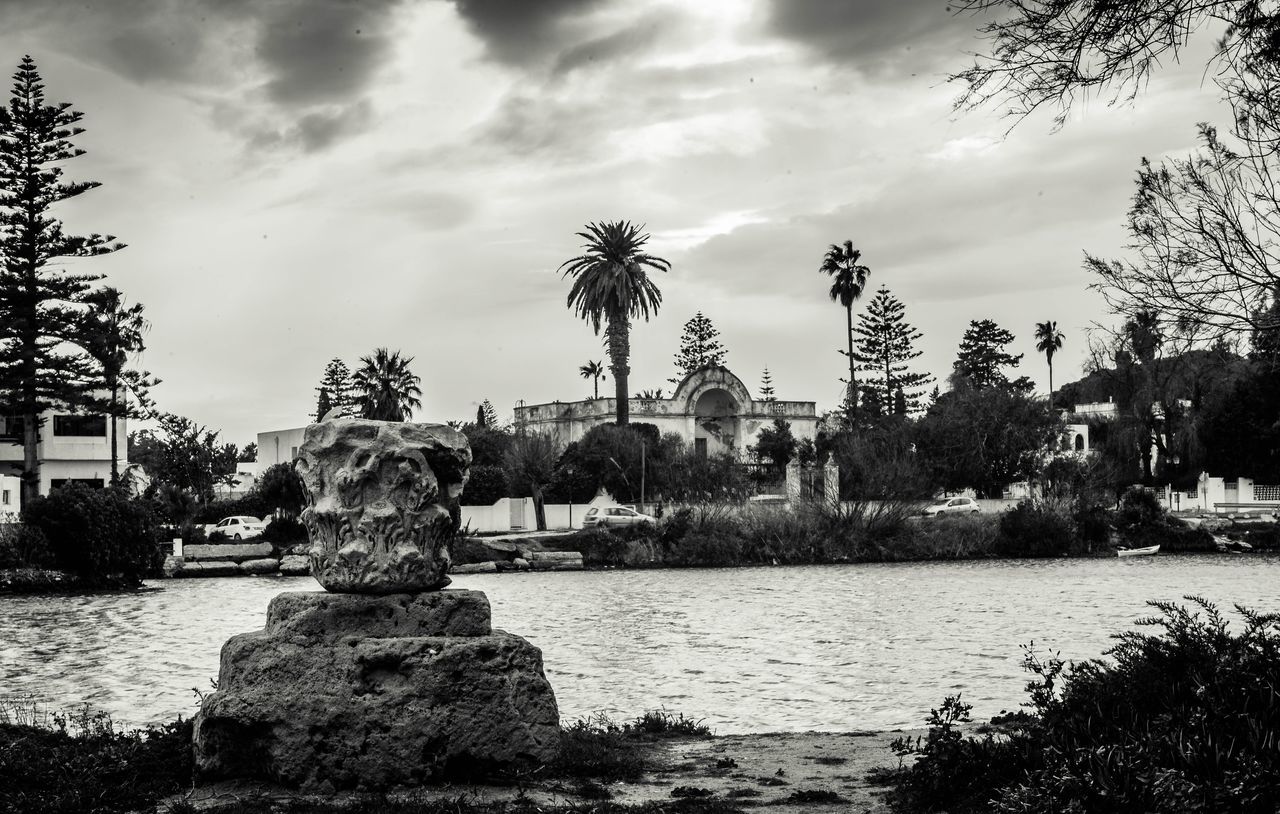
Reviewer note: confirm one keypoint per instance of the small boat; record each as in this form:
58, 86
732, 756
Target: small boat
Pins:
1137, 552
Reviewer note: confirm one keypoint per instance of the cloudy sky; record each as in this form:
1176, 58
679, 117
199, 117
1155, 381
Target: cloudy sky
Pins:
300, 180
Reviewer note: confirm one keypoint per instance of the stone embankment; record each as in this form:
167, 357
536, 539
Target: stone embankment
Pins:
524, 561
234, 559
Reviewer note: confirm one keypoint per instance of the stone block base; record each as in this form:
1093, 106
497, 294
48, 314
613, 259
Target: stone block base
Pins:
375, 692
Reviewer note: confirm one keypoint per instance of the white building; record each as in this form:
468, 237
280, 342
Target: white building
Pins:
71, 448
278, 447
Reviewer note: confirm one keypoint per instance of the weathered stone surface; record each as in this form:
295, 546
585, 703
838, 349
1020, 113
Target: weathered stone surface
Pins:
521, 564
551, 556
318, 615
226, 551
378, 494
475, 568
295, 565
374, 713
267, 565
209, 569
171, 565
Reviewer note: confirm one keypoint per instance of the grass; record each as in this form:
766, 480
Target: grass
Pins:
460, 805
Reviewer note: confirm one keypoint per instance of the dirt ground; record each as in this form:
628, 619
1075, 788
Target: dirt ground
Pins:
789, 773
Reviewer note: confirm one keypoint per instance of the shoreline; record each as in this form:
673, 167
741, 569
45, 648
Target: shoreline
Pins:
784, 772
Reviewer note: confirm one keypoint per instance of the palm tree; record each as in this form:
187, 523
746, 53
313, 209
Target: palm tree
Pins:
386, 390
595, 371
849, 279
113, 331
611, 285
1048, 342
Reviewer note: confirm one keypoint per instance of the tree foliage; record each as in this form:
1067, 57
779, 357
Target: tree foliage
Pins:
101, 535
986, 439
386, 389
699, 348
282, 490
766, 387
885, 346
336, 389
982, 359
594, 371
184, 455
775, 444
42, 364
611, 286
531, 460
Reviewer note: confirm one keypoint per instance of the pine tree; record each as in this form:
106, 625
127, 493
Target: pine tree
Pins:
699, 348
766, 387
884, 346
41, 303
481, 419
982, 358
337, 381
323, 404
490, 414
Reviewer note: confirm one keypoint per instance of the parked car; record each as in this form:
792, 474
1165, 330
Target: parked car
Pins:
614, 516
952, 505
239, 527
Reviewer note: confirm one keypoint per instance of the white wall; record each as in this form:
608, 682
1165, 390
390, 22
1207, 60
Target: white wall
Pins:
278, 447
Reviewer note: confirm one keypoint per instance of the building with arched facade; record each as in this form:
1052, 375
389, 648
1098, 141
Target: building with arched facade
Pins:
711, 410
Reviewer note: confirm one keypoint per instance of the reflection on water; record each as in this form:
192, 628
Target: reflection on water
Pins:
748, 649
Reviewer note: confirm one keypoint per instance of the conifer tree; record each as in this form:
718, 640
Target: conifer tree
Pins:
481, 419
337, 381
490, 414
982, 358
884, 347
766, 387
323, 404
699, 348
42, 363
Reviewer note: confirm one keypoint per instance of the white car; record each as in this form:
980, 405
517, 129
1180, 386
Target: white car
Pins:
614, 516
239, 527
952, 505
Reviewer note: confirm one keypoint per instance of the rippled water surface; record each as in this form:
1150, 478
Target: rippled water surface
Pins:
748, 649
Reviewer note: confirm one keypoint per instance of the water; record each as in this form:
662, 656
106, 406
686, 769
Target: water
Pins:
748, 649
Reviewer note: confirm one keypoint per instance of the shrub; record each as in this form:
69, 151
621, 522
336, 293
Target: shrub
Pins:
284, 531
193, 535
1032, 530
23, 546
953, 537
82, 764
218, 536
1182, 720
101, 535
251, 504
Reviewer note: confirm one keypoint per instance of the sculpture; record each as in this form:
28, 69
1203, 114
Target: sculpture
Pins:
378, 492
382, 680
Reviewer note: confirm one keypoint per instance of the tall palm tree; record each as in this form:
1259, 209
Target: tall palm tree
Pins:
386, 390
1048, 342
113, 331
611, 285
594, 371
849, 280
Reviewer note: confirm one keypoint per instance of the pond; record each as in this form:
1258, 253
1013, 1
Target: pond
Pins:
845, 647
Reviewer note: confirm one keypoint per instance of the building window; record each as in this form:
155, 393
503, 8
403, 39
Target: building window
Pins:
80, 425
1079, 443
5, 497
700, 447
10, 426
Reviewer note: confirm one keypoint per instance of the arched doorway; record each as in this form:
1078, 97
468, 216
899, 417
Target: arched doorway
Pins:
715, 422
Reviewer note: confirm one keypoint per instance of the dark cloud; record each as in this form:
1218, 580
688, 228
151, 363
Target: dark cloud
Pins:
312, 60
614, 46
877, 36
522, 32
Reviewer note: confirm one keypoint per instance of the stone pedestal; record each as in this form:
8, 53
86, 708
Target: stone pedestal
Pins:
347, 691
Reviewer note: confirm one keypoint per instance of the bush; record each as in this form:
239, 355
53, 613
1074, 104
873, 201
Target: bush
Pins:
218, 536
251, 504
194, 535
946, 537
1183, 720
23, 546
284, 531
1032, 530
486, 486
83, 765
100, 535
